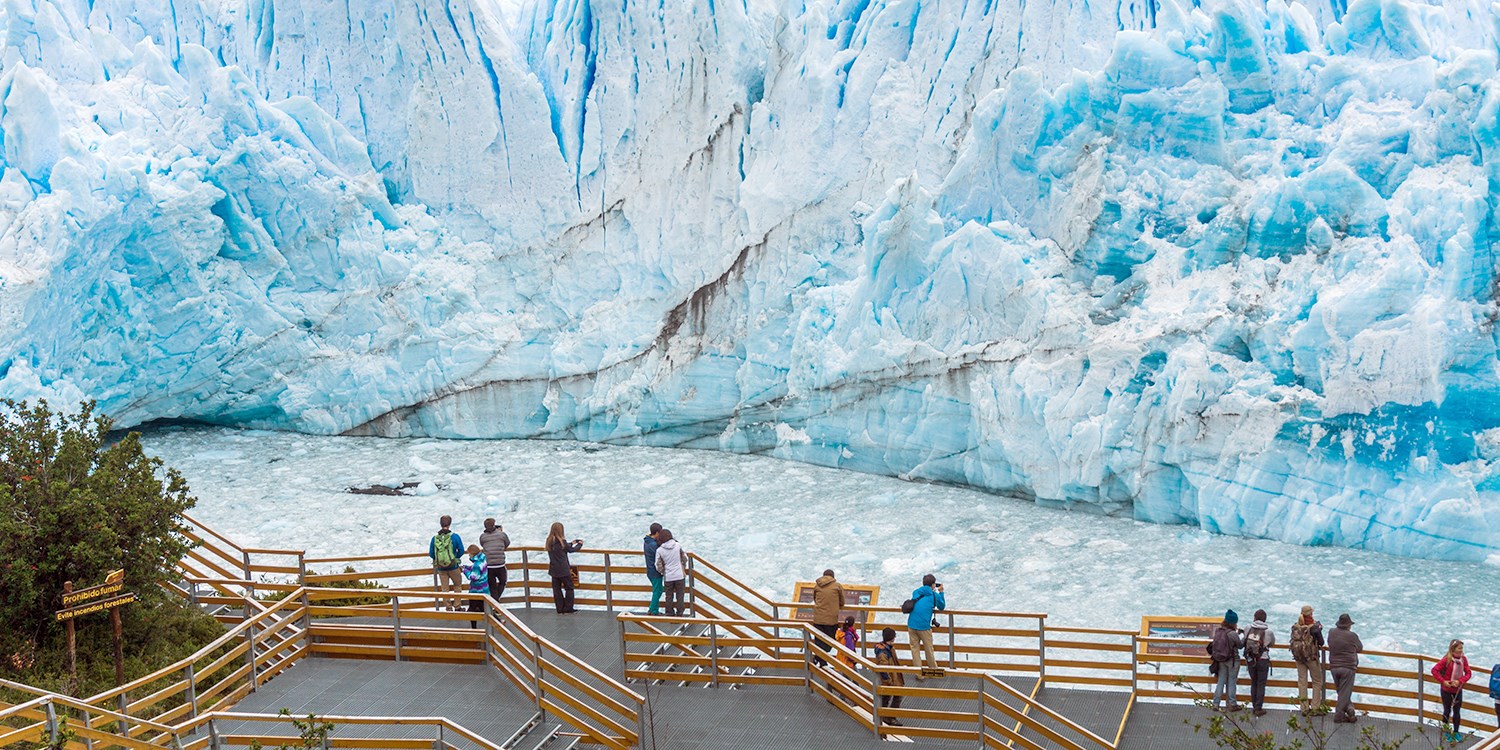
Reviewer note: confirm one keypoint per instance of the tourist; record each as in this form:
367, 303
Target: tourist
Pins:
1258, 642
1495, 689
479, 581
1452, 673
1224, 646
671, 563
885, 654
447, 551
828, 599
1343, 660
848, 637
1307, 651
494, 541
925, 600
559, 567
649, 544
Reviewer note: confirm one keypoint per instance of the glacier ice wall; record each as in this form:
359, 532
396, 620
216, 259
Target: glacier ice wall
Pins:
1229, 264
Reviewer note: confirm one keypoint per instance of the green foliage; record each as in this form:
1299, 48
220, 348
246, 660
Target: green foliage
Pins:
347, 583
74, 506
1304, 731
312, 733
65, 736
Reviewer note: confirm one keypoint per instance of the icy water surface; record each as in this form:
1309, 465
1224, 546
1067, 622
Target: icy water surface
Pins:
771, 522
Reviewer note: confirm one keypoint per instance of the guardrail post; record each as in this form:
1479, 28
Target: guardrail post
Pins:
125, 712
609, 582
982, 684
396, 624
51, 724
713, 652
692, 589
1041, 651
302, 568
536, 675
489, 627
442, 739
640, 728
250, 657
1421, 689
213, 736
951, 661
806, 663
624, 653
192, 689
1135, 663
246, 559
526, 578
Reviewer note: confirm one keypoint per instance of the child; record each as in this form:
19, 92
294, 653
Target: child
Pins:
848, 637
885, 653
477, 571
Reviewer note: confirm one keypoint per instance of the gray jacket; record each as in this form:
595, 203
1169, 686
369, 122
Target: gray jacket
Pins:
494, 543
1343, 648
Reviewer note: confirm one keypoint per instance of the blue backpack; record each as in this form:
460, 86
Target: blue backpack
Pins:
1495, 683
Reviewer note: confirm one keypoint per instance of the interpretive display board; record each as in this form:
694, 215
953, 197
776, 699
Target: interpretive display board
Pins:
1162, 626
855, 595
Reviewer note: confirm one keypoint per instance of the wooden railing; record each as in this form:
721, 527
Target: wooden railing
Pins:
999, 644
208, 734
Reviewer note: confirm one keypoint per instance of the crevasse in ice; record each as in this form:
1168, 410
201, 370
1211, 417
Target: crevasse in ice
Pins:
1229, 264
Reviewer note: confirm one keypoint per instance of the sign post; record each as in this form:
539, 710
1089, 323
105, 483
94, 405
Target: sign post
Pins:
91, 600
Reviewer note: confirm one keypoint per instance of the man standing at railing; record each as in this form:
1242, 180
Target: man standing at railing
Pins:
447, 551
1343, 660
925, 601
828, 599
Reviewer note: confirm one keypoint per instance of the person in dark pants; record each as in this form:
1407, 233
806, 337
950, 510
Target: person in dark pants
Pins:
1258, 642
1452, 672
671, 563
560, 568
828, 599
479, 582
1343, 660
885, 654
495, 541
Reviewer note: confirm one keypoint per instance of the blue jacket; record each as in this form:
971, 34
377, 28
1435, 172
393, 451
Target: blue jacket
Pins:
477, 571
921, 615
650, 546
458, 551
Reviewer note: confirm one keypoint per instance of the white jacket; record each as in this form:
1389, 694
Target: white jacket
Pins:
672, 560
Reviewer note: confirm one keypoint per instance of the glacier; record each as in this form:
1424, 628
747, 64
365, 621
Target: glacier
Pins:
1227, 263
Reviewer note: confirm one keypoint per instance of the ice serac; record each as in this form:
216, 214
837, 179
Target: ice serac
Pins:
1228, 263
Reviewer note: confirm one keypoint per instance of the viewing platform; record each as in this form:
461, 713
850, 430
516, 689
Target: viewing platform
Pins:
390, 669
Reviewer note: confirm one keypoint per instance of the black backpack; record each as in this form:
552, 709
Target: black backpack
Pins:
1221, 648
908, 605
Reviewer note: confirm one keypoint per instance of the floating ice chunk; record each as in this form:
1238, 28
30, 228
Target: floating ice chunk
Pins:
426, 488
660, 480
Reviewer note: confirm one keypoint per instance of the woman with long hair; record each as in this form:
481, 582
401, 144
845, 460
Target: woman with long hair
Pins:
1452, 673
560, 568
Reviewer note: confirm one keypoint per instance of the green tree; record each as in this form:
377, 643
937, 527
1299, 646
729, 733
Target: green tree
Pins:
74, 505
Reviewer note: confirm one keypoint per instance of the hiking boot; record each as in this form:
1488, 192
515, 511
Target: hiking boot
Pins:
894, 722
1234, 707
1260, 712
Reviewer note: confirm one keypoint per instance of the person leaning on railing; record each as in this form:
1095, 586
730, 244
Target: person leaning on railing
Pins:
495, 542
560, 568
1343, 660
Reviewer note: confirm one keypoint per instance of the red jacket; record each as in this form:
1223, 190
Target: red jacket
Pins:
1452, 669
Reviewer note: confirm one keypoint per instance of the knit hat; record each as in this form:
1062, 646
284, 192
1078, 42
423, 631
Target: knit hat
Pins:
1230, 618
